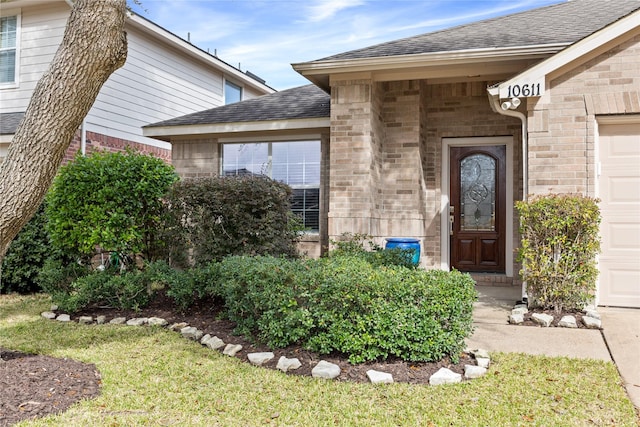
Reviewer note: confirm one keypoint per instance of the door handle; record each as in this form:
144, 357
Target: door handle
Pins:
451, 219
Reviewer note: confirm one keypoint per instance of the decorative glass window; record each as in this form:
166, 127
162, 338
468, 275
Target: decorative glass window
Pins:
8, 48
232, 92
294, 163
478, 193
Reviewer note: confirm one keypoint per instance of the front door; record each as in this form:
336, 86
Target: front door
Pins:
477, 208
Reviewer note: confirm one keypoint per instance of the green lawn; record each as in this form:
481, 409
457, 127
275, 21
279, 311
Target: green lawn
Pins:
152, 376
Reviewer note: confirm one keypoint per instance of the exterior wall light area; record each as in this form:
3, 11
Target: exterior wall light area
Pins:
511, 104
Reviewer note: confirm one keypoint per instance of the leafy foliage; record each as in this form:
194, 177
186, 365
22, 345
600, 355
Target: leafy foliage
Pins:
560, 243
108, 200
26, 256
239, 215
129, 290
362, 246
348, 305
190, 286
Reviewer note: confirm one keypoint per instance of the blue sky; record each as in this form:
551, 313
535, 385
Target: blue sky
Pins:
266, 36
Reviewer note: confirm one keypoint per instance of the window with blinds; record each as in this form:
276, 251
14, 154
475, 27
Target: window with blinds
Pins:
8, 44
294, 163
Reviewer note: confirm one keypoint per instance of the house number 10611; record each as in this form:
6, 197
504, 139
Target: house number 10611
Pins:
525, 90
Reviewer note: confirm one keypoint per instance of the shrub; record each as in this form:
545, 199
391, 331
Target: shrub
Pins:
190, 286
26, 256
372, 313
264, 296
346, 304
108, 200
129, 290
239, 215
361, 246
558, 251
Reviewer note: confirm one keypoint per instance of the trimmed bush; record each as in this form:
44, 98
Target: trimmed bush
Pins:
26, 256
347, 305
129, 290
108, 200
560, 242
238, 215
190, 286
361, 246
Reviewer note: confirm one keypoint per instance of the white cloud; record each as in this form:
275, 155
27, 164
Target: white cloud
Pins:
322, 10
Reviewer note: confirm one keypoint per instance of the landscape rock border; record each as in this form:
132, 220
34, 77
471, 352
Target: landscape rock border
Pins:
589, 318
323, 369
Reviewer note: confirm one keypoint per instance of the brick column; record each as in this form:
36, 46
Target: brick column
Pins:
353, 157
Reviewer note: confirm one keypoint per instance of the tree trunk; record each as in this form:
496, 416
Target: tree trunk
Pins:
93, 47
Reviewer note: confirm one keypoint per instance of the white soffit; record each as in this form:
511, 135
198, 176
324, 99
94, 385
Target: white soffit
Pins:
237, 127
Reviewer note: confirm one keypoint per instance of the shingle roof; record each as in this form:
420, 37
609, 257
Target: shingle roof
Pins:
9, 122
561, 23
302, 102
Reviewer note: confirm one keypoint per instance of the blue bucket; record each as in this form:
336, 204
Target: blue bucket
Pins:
405, 243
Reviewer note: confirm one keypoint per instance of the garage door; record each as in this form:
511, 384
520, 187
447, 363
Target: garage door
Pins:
619, 191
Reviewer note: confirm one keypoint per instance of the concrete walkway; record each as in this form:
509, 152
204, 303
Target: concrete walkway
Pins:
619, 341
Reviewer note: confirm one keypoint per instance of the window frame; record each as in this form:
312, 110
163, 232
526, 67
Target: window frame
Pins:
269, 170
16, 78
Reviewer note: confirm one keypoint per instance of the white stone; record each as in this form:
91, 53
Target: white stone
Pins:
377, 377
63, 318
178, 326
325, 370
479, 352
483, 362
568, 322
232, 349
101, 320
54, 307
157, 321
472, 371
542, 319
137, 321
445, 376
214, 343
591, 323
48, 314
260, 358
85, 320
520, 310
285, 364
516, 319
593, 314
118, 320
191, 332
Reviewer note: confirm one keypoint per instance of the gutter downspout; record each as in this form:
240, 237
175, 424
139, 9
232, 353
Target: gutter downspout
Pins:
494, 101
83, 137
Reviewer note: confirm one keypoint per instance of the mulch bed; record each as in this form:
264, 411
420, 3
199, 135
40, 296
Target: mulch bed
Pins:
35, 386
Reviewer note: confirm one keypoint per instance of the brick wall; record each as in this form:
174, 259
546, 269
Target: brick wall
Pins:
562, 123
353, 172
99, 142
386, 142
461, 110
